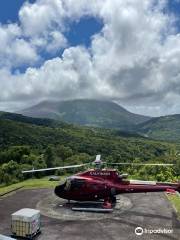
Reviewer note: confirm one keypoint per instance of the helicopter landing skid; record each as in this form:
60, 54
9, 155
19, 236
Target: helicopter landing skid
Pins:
97, 210
101, 207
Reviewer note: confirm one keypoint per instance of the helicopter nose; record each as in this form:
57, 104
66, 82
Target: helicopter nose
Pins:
56, 191
59, 190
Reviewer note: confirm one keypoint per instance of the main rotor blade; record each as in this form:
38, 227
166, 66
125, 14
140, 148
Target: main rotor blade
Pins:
142, 164
55, 168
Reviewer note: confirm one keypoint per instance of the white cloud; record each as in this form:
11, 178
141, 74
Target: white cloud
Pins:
24, 52
134, 59
56, 42
14, 50
39, 29
59, 78
36, 19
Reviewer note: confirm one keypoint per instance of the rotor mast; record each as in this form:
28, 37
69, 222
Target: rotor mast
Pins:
98, 162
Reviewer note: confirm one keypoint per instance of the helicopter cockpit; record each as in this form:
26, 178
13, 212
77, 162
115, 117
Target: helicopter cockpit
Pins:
72, 184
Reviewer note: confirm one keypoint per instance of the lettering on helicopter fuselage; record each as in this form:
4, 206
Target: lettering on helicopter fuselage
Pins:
100, 173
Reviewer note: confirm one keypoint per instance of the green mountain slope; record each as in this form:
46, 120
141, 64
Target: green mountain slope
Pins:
27, 142
35, 121
80, 139
95, 113
163, 128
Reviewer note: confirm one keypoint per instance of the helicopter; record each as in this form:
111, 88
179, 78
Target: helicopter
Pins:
99, 184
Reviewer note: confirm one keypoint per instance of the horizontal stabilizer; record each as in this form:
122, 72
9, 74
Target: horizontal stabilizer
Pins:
142, 182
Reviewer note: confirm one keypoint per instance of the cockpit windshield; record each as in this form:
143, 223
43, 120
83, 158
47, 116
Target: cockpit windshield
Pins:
62, 182
67, 184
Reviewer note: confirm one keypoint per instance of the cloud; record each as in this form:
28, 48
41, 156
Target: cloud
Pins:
38, 31
39, 17
56, 42
133, 60
57, 78
14, 50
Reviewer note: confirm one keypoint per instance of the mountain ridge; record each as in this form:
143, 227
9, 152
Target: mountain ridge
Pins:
88, 112
161, 128
165, 128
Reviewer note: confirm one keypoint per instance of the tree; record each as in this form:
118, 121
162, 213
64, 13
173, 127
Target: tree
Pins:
7, 179
64, 152
49, 157
11, 172
39, 163
1, 176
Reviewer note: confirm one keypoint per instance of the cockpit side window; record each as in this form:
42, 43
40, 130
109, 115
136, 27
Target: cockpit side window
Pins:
77, 183
73, 184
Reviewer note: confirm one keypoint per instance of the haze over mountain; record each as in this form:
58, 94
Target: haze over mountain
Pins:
87, 112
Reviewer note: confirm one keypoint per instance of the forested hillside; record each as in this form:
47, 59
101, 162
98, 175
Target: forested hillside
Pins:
27, 142
162, 128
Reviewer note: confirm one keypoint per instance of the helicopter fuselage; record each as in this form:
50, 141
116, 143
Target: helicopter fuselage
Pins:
93, 185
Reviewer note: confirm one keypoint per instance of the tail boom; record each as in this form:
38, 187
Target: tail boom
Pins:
145, 186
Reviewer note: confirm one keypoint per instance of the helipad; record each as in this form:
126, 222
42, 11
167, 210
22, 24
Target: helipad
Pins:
149, 211
54, 207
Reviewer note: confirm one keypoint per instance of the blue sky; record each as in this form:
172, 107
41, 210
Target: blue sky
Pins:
174, 6
9, 10
80, 32
110, 49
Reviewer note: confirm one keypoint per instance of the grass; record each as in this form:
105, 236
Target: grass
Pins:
175, 200
30, 184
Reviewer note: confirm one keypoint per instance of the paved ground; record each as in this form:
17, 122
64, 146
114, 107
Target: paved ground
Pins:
150, 211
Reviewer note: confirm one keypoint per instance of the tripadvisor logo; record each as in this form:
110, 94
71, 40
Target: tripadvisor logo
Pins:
139, 231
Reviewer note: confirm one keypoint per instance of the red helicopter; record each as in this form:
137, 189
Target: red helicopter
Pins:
104, 184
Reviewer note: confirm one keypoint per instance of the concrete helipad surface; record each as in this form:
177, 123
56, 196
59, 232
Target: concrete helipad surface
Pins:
152, 212
55, 207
